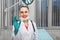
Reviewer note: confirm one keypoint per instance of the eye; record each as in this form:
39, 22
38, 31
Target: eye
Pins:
21, 12
25, 11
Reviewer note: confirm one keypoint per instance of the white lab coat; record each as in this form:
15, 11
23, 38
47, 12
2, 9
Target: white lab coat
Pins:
24, 34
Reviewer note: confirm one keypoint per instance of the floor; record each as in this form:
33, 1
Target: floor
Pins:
5, 34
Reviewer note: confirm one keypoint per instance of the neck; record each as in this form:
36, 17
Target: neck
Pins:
25, 22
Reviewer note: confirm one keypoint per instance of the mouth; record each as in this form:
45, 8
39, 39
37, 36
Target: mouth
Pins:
24, 16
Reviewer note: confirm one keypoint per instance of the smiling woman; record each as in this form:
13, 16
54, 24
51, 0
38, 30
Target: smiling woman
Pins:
27, 2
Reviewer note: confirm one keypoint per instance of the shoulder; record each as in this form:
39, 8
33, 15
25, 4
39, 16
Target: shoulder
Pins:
33, 22
34, 25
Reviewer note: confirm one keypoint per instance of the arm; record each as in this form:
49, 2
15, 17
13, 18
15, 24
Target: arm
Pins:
12, 32
15, 37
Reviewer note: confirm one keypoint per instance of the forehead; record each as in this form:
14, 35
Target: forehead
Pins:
23, 9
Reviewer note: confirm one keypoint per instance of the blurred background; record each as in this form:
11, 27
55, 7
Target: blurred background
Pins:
46, 14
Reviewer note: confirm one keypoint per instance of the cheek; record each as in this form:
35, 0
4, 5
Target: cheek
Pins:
21, 15
26, 14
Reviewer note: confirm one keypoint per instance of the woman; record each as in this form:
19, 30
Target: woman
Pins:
26, 29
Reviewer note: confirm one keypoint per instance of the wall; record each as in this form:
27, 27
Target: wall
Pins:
32, 8
0, 13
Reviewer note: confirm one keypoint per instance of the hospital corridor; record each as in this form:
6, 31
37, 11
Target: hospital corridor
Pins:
45, 13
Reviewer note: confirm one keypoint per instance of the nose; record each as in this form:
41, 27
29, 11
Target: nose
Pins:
24, 13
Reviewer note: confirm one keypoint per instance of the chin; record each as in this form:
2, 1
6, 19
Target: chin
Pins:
27, 18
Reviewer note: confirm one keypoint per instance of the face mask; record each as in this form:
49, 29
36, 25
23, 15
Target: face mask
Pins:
22, 19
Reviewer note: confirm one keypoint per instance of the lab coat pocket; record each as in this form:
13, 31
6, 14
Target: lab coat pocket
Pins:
33, 36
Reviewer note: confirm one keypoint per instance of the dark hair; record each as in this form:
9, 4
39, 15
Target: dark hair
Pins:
24, 6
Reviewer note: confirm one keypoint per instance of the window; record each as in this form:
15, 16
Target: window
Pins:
42, 13
6, 16
15, 9
56, 13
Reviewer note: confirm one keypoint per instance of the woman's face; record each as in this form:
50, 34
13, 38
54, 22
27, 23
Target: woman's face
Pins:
24, 12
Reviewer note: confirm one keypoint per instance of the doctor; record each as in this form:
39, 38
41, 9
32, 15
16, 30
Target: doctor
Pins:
27, 29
